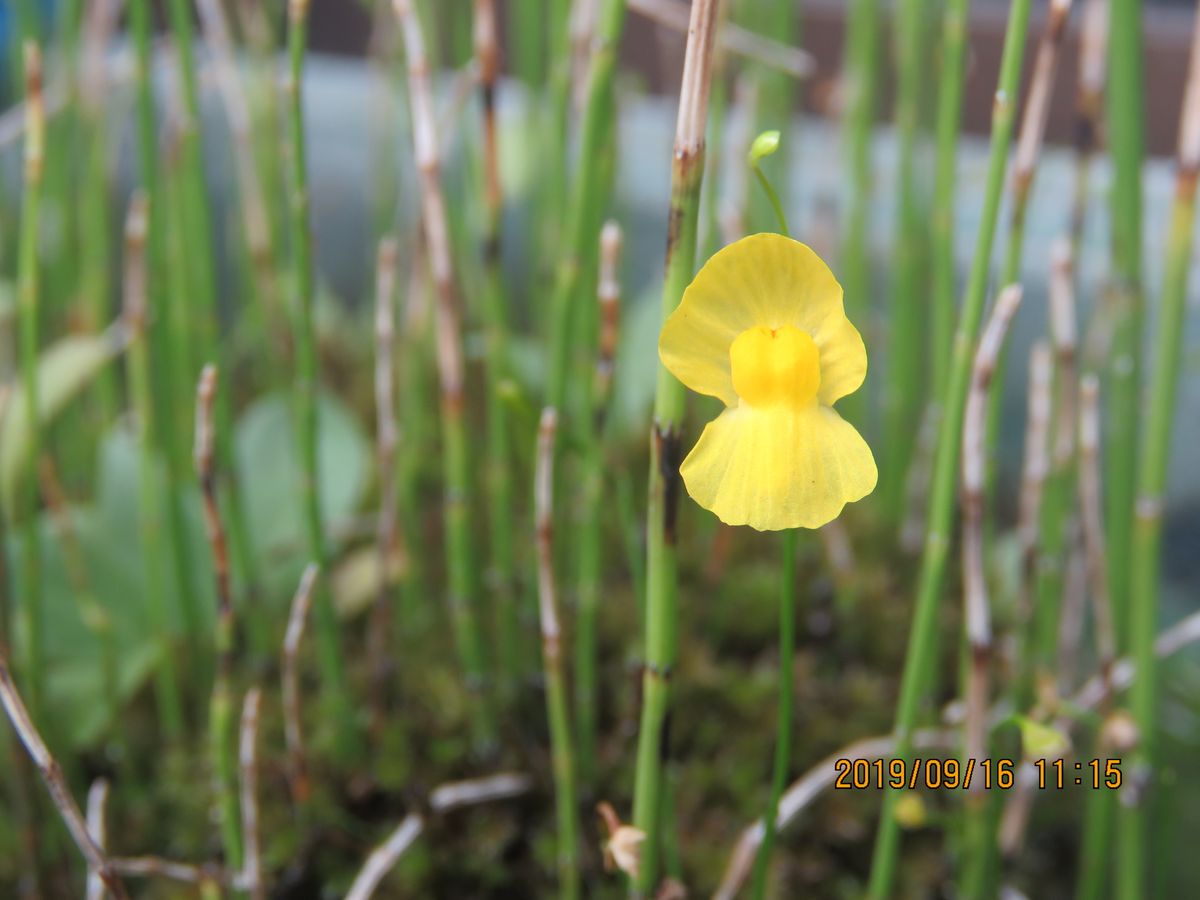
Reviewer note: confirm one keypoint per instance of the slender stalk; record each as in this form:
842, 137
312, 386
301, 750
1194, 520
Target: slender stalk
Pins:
333, 671
687, 174
1125, 132
1034, 471
918, 669
165, 342
56, 784
290, 681
979, 836
387, 534
1029, 144
150, 500
951, 86
202, 323
861, 80
588, 195
498, 465
783, 728
257, 226
221, 716
1133, 823
97, 826
591, 537
1091, 514
565, 788
94, 203
1057, 505
248, 767
29, 312
903, 388
460, 552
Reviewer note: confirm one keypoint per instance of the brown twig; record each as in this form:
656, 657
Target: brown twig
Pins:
255, 219
487, 60
386, 532
1037, 103
290, 677
252, 875
452, 796
1091, 513
1062, 335
97, 803
790, 60
1093, 44
974, 463
609, 296
1034, 469
56, 784
202, 456
100, 20
185, 873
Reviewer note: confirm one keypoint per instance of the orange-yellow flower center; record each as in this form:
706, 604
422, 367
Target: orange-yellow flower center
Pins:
775, 366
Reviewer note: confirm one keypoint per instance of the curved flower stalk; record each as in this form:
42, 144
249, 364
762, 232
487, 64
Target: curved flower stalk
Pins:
762, 328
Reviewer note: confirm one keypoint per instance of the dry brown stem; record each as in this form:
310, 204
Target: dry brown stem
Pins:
290, 677
56, 784
790, 60
97, 804
974, 462
252, 875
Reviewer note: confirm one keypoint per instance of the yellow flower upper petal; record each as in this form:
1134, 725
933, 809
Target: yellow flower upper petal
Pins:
768, 281
779, 467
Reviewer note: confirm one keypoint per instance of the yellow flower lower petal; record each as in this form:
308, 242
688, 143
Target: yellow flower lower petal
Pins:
779, 467
764, 280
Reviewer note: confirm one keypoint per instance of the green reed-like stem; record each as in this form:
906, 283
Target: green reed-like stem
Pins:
918, 664
591, 537
1133, 825
565, 791
783, 728
28, 312
150, 500
1126, 118
166, 344
200, 263
332, 666
903, 393
951, 85
498, 465
862, 82
585, 207
461, 563
687, 175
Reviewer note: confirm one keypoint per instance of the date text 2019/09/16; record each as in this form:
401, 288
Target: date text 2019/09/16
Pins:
989, 774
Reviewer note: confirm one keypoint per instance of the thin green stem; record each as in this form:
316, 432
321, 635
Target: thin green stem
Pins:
585, 208
306, 376
949, 115
918, 665
1133, 879
1126, 119
150, 500
687, 175
28, 311
862, 81
903, 390
565, 791
783, 730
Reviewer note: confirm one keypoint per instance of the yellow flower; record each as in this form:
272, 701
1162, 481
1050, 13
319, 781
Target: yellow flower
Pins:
762, 328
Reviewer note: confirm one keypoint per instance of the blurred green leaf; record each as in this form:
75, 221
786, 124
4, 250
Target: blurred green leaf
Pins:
64, 370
